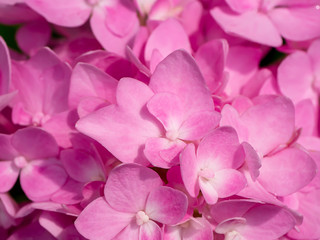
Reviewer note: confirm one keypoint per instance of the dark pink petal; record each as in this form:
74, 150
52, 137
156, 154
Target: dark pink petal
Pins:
5, 67
300, 24
5, 99
198, 125
295, 76
211, 59
166, 38
251, 25
69, 193
89, 81
69, 14
287, 171
124, 128
81, 166
168, 109
273, 118
150, 231
218, 150
162, 152
100, 221
179, 74
189, 170
7, 151
33, 36
40, 179
8, 175
34, 143
128, 187
228, 182
104, 32
166, 205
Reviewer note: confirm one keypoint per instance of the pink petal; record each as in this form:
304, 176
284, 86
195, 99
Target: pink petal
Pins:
34, 143
81, 166
230, 225
9, 174
69, 193
90, 104
287, 171
5, 99
244, 6
179, 74
208, 191
131, 232
315, 58
211, 59
189, 170
40, 179
266, 221
228, 182
166, 107
198, 125
89, 81
295, 76
150, 231
128, 187
100, 221
218, 150
252, 159
123, 128
7, 151
5, 67
166, 205
301, 22
162, 152
166, 38
33, 36
69, 14
251, 25
273, 118
107, 33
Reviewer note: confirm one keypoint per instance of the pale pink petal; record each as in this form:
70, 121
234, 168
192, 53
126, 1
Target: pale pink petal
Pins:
90, 104
218, 150
5, 67
81, 166
211, 59
287, 171
168, 109
89, 81
244, 5
162, 152
166, 38
179, 74
189, 170
273, 118
124, 128
198, 125
166, 205
69, 14
208, 191
5, 99
199, 229
150, 231
228, 182
100, 221
8, 175
34, 143
130, 232
305, 114
230, 225
33, 36
40, 179
252, 160
315, 58
128, 187
251, 25
295, 76
104, 32
300, 24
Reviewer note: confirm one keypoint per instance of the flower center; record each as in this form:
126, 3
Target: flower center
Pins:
141, 218
233, 235
20, 161
172, 135
39, 119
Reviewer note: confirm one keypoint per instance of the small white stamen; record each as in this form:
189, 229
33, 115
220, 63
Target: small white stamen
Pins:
20, 161
141, 218
172, 135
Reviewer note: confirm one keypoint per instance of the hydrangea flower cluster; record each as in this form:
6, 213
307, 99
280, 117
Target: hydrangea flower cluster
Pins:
160, 120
